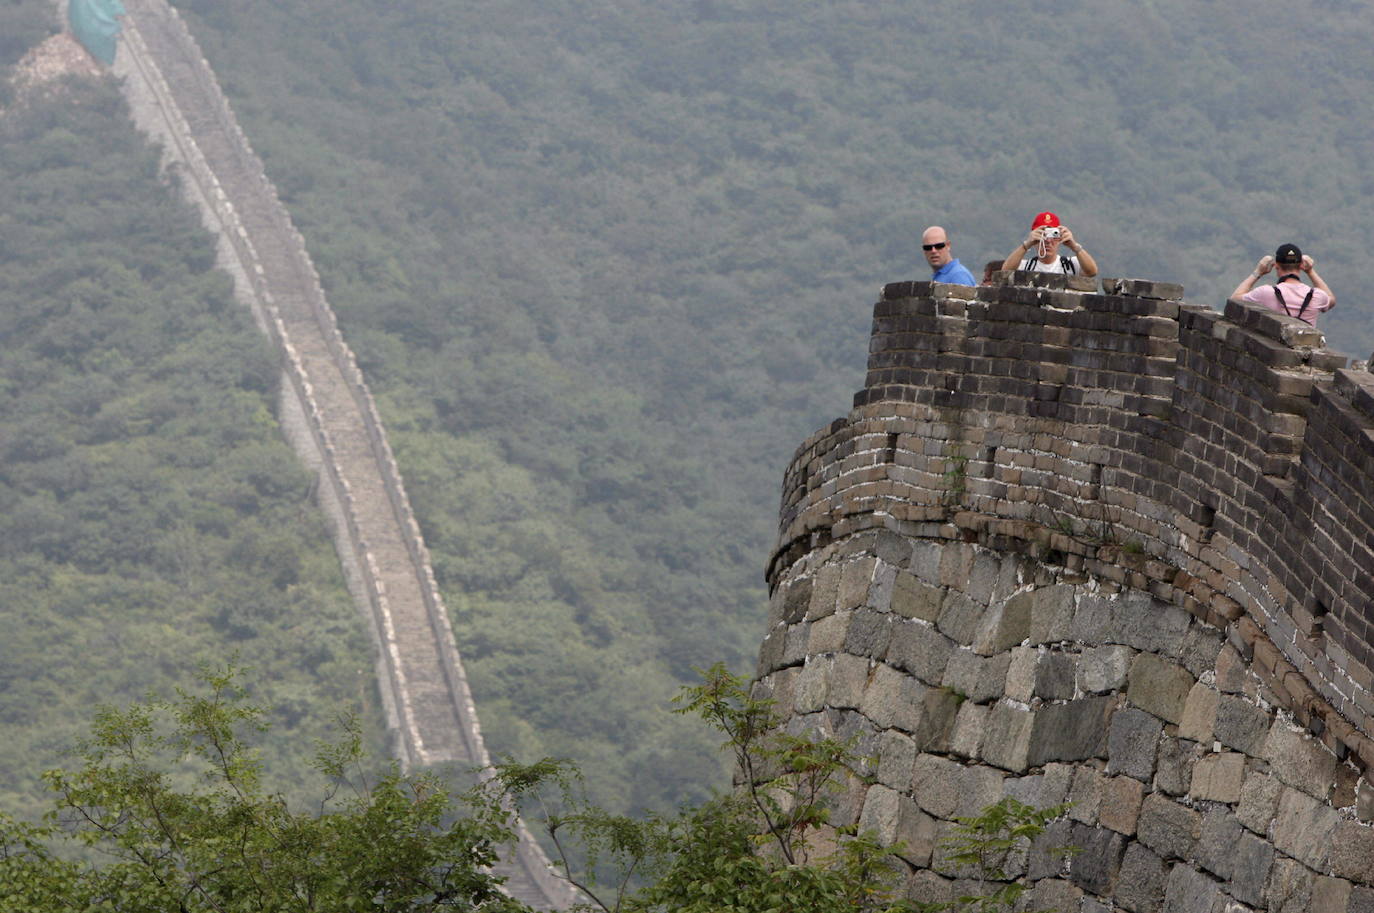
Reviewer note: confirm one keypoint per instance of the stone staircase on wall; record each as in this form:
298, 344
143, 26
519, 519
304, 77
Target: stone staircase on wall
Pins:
326, 409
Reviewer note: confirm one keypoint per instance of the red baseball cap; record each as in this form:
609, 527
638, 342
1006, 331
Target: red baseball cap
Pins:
1046, 220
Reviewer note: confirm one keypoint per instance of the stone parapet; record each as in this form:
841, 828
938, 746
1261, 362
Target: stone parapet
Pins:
1102, 519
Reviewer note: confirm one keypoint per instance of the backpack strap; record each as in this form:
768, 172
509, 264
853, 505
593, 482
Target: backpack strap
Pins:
1284, 304
1067, 266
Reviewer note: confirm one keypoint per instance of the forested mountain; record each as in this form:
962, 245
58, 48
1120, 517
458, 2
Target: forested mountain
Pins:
607, 262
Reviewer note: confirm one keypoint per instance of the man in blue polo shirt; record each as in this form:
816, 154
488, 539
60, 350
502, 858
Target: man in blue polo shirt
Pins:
935, 245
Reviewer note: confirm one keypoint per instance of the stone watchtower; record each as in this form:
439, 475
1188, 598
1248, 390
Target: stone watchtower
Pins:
1102, 547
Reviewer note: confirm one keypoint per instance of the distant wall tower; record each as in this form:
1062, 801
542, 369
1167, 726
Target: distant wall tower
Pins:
1101, 547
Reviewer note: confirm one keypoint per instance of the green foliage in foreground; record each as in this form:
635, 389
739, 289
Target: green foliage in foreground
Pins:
169, 800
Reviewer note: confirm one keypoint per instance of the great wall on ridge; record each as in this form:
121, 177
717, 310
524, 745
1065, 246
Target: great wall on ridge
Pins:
325, 409
1075, 543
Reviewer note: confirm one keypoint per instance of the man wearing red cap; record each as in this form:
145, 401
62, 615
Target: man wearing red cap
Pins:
1289, 294
1039, 253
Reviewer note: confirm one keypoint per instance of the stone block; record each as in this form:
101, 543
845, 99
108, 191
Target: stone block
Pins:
1199, 714
917, 833
868, 634
1361, 900
770, 652
1053, 894
982, 578
795, 639
1003, 626
1168, 828
1290, 887
893, 699
1006, 742
920, 650
1086, 795
1104, 668
1133, 618
960, 618
1048, 856
1216, 845
1219, 777
1133, 744
1303, 828
1199, 648
1231, 671
896, 759
1140, 884
939, 710
1174, 765
912, 598
880, 590
1159, 687
1189, 891
793, 601
979, 787
1259, 802
1074, 731
1054, 676
1300, 761
1250, 870
1052, 611
1021, 674
1121, 801
925, 886
1095, 865
1330, 895
1241, 725
827, 634
825, 591
855, 579
1041, 790
881, 810
978, 678
935, 783
967, 739
1352, 852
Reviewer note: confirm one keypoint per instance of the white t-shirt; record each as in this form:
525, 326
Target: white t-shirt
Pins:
1035, 265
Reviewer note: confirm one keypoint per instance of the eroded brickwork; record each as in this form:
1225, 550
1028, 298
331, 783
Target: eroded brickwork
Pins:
1109, 548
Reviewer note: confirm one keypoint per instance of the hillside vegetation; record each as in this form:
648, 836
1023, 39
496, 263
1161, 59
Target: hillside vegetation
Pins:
607, 263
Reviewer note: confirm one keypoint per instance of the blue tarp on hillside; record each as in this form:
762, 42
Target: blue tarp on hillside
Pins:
95, 23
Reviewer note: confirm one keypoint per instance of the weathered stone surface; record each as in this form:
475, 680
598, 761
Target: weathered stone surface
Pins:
1073, 731
1361, 900
1329, 895
1086, 795
1054, 676
794, 645
794, 601
1007, 739
1290, 887
896, 759
1174, 765
960, 618
1300, 761
868, 634
893, 699
1140, 885
827, 634
939, 710
1159, 687
1004, 626
1133, 744
1121, 800
1303, 828
1166, 827
1048, 857
1231, 671
825, 590
1189, 891
979, 678
913, 598
979, 787
920, 650
1104, 668
1259, 802
1216, 846
1241, 725
917, 832
882, 808
1021, 674
935, 785
1250, 870
1132, 618
1199, 714
1052, 611
1041, 790
1352, 852
967, 739
1219, 777
855, 578
1095, 865
1053, 894
1198, 651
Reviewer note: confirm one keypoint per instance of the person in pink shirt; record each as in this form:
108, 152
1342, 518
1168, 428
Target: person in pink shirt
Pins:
1289, 294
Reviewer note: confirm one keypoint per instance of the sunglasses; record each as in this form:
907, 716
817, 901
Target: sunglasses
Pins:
940, 246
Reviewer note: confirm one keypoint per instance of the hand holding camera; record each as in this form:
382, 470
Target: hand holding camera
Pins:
1266, 263
1307, 263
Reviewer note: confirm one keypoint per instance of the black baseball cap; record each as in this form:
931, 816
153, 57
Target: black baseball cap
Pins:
1288, 253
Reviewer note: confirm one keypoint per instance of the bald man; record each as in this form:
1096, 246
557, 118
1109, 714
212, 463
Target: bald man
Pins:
935, 244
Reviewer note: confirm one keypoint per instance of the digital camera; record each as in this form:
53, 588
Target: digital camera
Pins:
1052, 233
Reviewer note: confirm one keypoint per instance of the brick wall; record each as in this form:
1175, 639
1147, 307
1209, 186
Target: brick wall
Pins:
1096, 516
